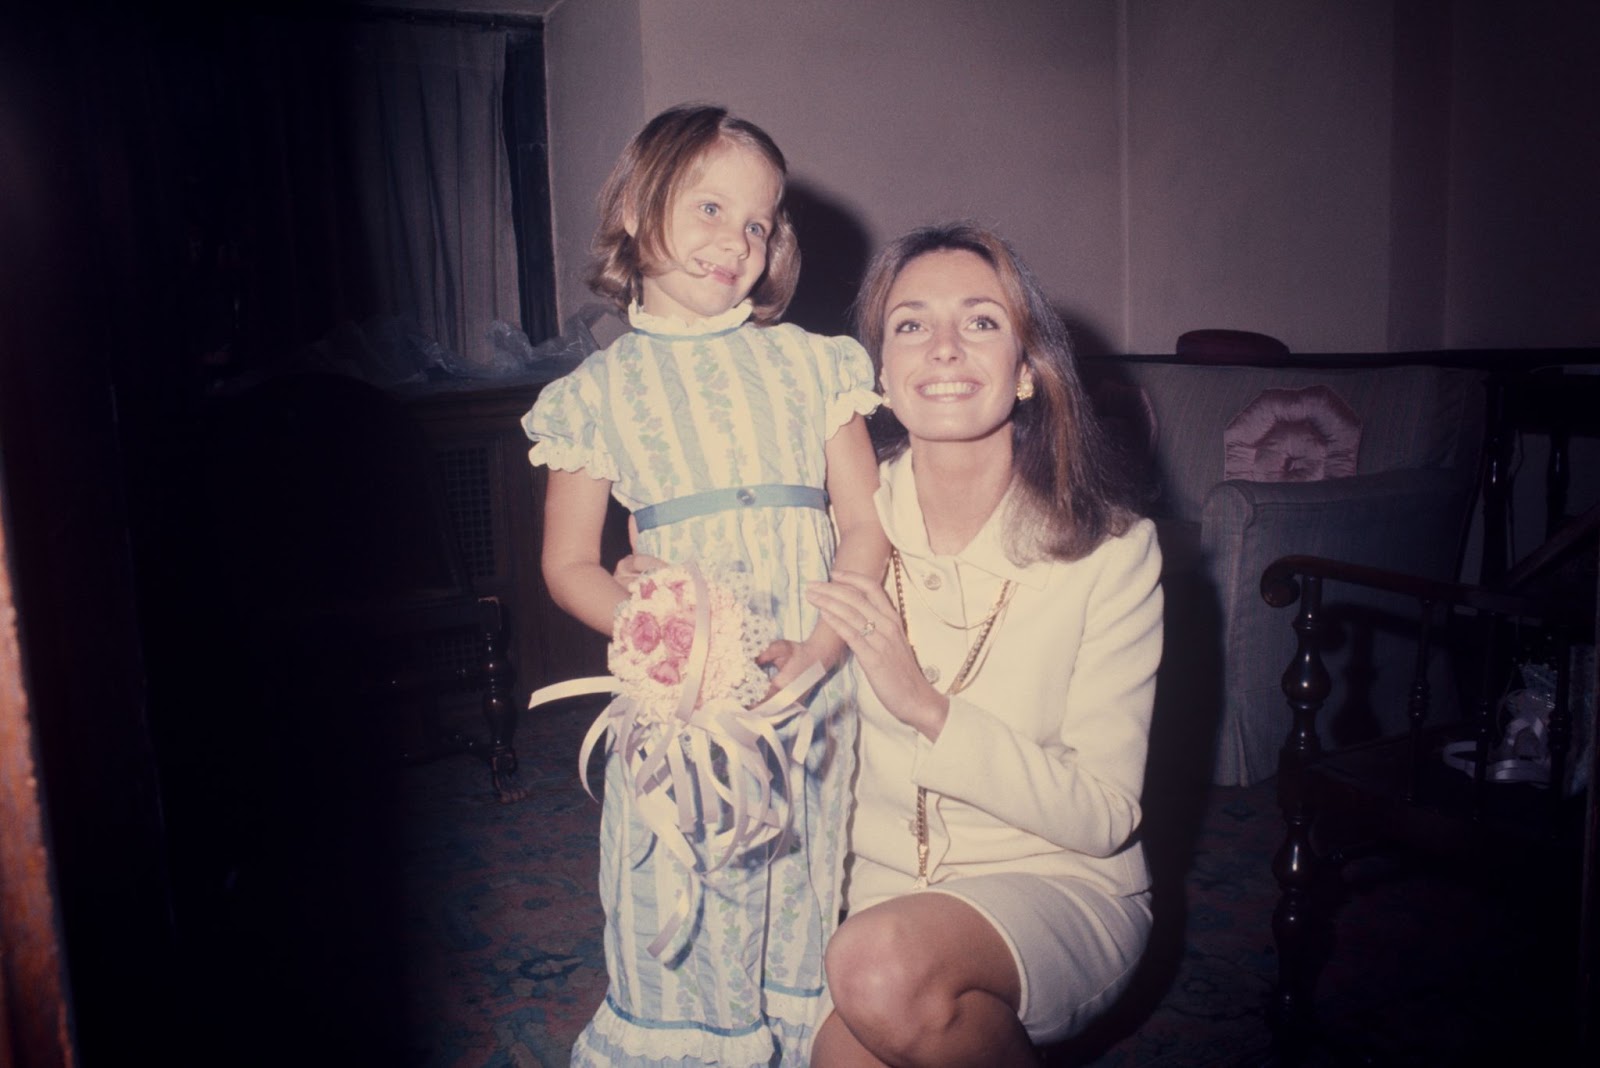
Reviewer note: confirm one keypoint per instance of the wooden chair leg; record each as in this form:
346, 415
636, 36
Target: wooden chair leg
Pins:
1306, 685
499, 710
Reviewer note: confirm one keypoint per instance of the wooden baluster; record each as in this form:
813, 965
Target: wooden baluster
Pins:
1557, 479
1496, 484
1560, 727
498, 709
1485, 713
1306, 685
1420, 699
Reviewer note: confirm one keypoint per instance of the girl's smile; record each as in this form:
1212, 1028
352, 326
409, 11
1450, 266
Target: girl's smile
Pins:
717, 231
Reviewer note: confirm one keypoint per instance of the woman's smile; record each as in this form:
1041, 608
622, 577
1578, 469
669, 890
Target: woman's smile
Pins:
948, 390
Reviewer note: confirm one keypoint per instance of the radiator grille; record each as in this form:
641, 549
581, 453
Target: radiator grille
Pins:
457, 652
469, 499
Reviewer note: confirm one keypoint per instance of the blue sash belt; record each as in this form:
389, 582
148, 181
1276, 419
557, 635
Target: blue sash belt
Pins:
772, 495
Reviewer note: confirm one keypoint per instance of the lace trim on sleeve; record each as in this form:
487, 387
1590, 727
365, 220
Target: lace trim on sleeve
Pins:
573, 456
860, 401
852, 381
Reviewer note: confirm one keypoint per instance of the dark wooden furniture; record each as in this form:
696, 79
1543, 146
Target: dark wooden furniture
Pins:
1337, 804
495, 502
1546, 400
342, 578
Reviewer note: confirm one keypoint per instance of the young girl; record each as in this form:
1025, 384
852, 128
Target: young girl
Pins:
720, 431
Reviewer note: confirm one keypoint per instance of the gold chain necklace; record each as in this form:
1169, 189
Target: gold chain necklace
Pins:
957, 684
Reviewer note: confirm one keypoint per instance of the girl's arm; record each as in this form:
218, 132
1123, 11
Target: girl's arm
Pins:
574, 515
852, 480
863, 547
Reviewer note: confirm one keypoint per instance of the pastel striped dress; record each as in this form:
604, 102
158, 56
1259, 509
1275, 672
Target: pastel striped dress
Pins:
667, 411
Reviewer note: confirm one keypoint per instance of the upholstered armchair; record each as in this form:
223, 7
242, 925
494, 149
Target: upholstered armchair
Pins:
1375, 465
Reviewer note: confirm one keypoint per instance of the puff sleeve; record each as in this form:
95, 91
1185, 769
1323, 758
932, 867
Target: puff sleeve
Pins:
847, 381
564, 424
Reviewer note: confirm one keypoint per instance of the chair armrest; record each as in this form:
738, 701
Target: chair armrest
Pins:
1280, 587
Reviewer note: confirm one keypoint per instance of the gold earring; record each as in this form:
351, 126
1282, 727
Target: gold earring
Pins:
1025, 388
884, 398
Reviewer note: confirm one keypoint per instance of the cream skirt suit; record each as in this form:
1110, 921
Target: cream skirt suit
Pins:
1033, 786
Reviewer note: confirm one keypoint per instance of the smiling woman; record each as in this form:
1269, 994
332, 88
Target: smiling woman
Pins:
998, 895
1059, 452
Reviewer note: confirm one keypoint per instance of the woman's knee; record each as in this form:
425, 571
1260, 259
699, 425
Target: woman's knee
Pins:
866, 963
896, 988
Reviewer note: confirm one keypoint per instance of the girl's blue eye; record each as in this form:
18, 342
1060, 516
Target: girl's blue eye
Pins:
710, 209
757, 230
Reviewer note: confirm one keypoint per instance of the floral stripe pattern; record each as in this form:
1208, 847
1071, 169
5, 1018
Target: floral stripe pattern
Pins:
662, 416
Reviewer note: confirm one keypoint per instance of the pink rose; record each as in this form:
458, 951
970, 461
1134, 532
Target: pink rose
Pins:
644, 633
679, 636
666, 672
647, 589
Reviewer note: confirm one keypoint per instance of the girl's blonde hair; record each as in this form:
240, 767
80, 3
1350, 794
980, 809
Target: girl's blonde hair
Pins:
660, 160
1071, 494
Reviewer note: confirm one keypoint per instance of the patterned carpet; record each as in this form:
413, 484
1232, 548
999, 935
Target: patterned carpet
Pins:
503, 961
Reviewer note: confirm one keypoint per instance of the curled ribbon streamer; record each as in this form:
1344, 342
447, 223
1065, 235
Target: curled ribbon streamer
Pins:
1535, 769
667, 770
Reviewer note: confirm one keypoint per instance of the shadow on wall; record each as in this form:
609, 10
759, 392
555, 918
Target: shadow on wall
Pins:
834, 251
1087, 342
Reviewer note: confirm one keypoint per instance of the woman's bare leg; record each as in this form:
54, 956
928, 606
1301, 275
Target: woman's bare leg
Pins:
920, 980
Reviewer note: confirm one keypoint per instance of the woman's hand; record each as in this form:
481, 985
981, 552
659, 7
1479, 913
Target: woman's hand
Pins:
858, 610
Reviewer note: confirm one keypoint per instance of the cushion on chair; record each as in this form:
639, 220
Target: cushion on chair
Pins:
1412, 416
1292, 435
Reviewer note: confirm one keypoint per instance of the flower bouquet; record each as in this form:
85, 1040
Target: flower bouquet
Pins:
693, 721
653, 642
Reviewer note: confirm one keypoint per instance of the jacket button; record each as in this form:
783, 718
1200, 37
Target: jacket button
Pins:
932, 580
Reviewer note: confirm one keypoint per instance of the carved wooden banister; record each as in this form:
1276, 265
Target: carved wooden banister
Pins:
1311, 581
1279, 588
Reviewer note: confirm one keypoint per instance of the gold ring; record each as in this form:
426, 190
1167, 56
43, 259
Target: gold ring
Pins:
869, 628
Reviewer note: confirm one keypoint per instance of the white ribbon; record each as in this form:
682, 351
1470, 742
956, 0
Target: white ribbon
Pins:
1535, 769
668, 771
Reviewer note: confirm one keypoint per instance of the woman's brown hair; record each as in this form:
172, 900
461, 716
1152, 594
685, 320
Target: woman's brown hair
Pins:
1070, 496
660, 160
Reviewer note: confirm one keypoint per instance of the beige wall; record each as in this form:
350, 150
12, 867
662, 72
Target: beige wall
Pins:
1257, 177
1524, 248
1344, 174
595, 82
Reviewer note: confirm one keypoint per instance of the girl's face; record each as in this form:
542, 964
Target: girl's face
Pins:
951, 355
716, 234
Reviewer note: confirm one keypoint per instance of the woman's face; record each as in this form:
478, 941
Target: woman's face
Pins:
951, 357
